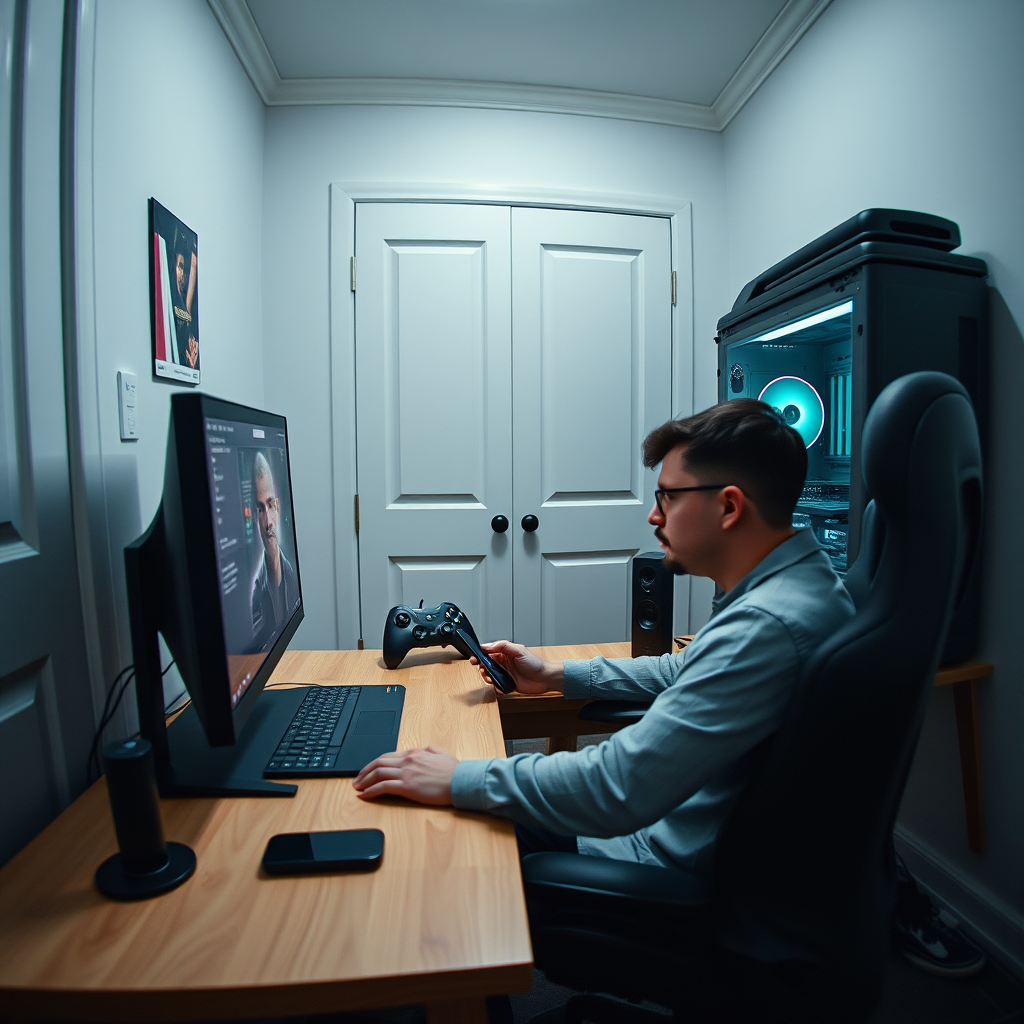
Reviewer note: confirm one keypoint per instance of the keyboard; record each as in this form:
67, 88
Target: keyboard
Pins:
309, 745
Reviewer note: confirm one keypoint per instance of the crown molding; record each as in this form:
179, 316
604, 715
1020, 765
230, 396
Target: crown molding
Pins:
432, 92
237, 22
781, 36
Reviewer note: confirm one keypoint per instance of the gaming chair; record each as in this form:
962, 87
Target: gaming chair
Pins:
797, 926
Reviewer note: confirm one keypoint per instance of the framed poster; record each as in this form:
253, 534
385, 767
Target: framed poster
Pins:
174, 296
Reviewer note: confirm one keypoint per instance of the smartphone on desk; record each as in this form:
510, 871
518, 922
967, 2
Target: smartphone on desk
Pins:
306, 853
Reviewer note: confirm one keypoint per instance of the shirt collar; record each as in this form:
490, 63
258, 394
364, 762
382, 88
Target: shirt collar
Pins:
789, 552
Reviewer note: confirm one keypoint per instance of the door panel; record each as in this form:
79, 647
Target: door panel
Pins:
604, 574
433, 321
34, 793
461, 580
591, 377
588, 341
433, 410
46, 712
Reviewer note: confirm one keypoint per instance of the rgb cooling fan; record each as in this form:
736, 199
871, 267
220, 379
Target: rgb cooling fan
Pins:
798, 404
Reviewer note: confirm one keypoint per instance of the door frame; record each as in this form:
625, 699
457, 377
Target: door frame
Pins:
342, 238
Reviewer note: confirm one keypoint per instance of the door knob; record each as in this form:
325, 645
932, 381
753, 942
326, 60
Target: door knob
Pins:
499, 524
530, 523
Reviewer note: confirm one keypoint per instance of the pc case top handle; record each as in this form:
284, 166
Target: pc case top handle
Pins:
907, 227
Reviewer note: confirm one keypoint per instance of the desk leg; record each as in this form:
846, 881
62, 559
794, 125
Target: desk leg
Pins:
561, 743
457, 1011
966, 704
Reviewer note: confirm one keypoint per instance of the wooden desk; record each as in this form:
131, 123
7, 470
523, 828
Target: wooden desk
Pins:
442, 922
553, 716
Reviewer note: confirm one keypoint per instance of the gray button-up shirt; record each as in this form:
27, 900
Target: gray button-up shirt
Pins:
658, 791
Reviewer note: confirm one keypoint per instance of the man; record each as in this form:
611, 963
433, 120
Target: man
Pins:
276, 590
658, 791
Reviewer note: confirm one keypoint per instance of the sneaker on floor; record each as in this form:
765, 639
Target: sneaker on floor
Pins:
926, 940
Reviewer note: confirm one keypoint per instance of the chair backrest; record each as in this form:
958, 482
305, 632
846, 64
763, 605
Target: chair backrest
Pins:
804, 866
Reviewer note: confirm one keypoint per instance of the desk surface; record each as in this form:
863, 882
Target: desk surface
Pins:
442, 919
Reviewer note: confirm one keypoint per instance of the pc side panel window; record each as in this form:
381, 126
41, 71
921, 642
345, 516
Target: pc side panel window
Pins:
804, 370
255, 542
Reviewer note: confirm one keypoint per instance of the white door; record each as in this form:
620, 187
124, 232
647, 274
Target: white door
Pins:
46, 713
433, 411
592, 376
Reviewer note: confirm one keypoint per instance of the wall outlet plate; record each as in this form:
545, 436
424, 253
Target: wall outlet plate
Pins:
127, 405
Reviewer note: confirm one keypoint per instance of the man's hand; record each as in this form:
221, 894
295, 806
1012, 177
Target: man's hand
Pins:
531, 673
421, 775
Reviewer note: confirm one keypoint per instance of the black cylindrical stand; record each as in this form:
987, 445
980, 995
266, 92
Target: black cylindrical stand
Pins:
146, 865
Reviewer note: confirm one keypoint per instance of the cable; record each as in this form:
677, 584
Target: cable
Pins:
109, 710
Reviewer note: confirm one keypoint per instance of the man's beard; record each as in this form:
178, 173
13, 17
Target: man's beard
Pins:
674, 567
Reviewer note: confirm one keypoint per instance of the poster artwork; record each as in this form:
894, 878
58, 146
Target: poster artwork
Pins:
174, 296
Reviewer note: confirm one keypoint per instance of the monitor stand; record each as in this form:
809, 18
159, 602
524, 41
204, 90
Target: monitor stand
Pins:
185, 763
197, 769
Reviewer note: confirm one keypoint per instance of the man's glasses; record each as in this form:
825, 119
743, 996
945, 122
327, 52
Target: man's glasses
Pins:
660, 493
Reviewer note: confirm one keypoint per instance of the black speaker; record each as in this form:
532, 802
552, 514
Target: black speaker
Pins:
652, 605
146, 865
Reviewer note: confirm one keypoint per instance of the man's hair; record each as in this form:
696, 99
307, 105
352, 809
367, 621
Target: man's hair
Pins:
742, 442
260, 469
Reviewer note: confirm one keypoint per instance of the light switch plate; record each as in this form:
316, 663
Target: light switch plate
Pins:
127, 405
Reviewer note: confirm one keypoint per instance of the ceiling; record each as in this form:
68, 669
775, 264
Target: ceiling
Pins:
692, 63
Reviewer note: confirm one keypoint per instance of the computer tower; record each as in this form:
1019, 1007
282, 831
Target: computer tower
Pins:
652, 605
820, 334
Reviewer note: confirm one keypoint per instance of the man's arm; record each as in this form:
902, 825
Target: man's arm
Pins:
731, 696
598, 678
532, 674
621, 678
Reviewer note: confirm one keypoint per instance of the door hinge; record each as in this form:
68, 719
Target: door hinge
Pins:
353, 265
355, 511
673, 287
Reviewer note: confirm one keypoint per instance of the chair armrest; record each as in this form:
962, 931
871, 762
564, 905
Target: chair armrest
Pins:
601, 884
613, 712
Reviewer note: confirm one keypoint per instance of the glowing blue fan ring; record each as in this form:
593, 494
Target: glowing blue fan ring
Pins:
793, 403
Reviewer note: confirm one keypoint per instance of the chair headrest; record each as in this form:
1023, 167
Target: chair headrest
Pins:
894, 427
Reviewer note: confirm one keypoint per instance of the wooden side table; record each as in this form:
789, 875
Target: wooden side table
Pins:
964, 679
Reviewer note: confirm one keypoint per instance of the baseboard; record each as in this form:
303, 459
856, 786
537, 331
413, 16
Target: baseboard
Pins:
994, 925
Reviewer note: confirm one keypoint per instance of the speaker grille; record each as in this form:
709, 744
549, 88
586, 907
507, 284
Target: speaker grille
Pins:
647, 616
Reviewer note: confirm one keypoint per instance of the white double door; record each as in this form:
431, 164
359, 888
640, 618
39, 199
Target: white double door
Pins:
509, 362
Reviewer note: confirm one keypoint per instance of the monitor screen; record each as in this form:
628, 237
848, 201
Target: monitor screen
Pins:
254, 534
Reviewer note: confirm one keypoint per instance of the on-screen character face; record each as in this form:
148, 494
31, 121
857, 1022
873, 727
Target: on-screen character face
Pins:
268, 513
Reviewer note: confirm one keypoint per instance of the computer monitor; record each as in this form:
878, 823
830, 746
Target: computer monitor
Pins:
217, 575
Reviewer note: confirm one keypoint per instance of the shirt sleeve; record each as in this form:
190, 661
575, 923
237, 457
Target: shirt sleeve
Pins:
729, 696
621, 678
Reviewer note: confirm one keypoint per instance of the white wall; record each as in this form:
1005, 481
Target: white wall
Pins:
919, 104
170, 114
309, 148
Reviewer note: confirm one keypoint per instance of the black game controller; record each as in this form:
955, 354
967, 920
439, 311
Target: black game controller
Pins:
406, 628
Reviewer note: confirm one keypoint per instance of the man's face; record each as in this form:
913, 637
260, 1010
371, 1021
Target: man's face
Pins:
179, 273
267, 511
689, 528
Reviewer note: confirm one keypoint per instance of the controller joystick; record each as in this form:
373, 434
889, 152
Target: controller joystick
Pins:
443, 626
